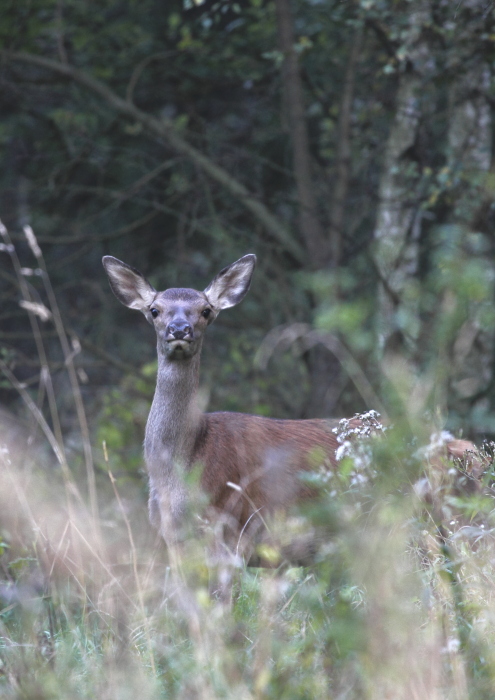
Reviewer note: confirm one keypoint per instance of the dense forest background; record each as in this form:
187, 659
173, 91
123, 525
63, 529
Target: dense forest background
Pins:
347, 144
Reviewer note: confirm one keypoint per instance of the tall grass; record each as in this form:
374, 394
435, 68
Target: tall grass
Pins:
399, 602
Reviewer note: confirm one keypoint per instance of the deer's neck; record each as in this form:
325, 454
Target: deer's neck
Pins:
174, 417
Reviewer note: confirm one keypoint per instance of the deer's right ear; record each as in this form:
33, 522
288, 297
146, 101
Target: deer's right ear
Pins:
128, 284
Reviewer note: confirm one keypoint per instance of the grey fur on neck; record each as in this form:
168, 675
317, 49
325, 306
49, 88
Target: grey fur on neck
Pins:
171, 431
174, 415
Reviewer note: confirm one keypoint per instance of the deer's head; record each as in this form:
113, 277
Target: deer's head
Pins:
180, 316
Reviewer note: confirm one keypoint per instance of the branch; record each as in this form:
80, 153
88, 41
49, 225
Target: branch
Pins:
140, 68
85, 237
35, 412
115, 361
165, 129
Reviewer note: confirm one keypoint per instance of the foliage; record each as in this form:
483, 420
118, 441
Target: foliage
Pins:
398, 600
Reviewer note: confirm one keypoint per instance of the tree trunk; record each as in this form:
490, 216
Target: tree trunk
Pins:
311, 230
323, 367
343, 160
470, 146
327, 377
398, 223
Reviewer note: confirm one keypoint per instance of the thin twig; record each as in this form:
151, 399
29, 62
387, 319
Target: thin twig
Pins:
69, 362
38, 339
35, 411
134, 565
107, 235
138, 70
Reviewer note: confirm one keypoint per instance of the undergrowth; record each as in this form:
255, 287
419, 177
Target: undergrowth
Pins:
399, 602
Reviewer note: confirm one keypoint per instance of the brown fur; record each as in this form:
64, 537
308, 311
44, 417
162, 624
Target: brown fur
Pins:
262, 456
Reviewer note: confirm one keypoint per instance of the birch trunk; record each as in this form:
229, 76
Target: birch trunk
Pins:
398, 223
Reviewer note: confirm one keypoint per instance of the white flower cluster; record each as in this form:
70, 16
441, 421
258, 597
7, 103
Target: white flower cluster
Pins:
353, 435
437, 443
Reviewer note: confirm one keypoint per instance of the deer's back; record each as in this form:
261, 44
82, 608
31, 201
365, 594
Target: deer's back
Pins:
261, 456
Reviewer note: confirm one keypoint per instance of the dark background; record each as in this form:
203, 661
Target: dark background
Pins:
347, 144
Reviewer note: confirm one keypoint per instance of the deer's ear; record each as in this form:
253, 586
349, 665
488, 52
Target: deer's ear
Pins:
128, 284
231, 284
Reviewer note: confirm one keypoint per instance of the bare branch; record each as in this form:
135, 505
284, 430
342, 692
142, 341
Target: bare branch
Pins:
85, 237
164, 128
138, 70
116, 362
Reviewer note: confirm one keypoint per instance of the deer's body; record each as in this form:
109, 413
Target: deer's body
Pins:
248, 463
262, 456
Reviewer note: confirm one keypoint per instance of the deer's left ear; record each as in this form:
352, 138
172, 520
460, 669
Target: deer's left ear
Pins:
231, 284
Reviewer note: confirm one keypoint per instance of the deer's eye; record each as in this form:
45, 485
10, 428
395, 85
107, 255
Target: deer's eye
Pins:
205, 313
154, 312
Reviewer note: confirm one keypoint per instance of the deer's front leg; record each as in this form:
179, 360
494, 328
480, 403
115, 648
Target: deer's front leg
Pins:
167, 508
154, 508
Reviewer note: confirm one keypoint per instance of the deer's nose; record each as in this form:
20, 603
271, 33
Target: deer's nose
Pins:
179, 330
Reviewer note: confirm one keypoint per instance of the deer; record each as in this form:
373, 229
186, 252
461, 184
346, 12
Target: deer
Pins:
249, 464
